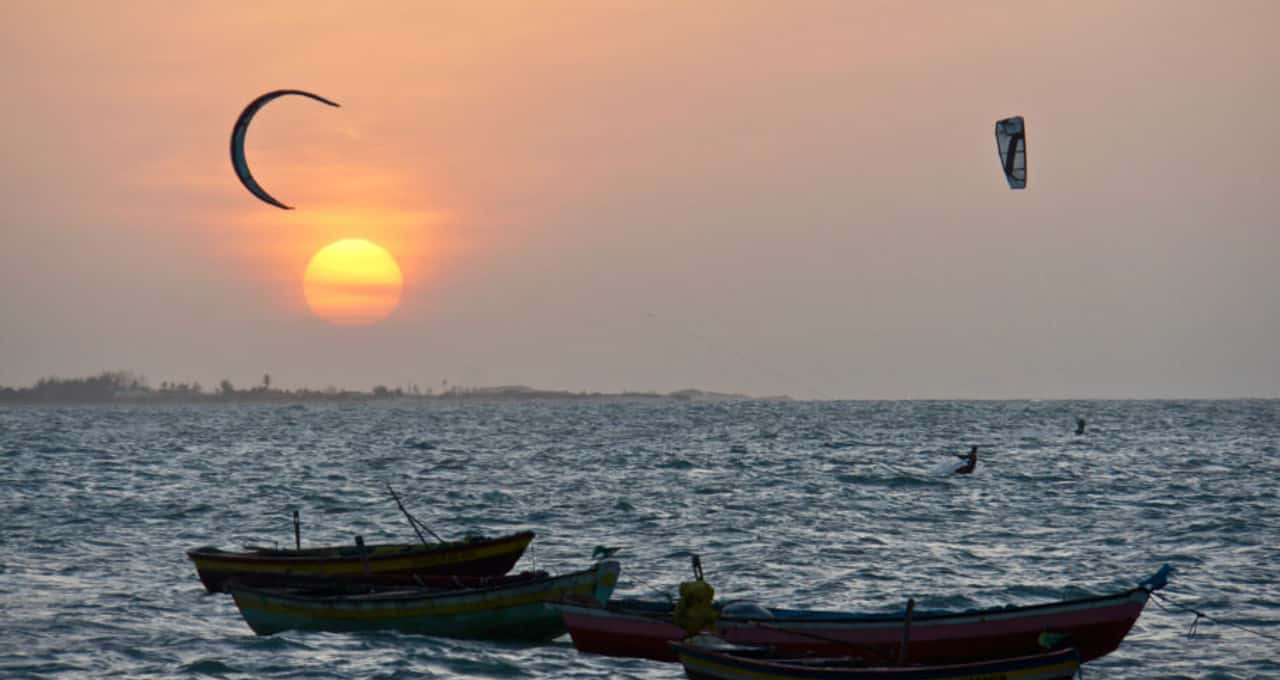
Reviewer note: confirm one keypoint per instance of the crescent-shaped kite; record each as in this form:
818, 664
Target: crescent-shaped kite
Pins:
237, 142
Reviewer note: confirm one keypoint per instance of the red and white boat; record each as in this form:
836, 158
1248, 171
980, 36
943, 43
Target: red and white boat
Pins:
1094, 626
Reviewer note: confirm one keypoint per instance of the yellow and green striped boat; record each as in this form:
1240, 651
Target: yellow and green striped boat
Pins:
511, 608
709, 663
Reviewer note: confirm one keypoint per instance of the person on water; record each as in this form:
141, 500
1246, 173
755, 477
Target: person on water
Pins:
970, 461
1079, 425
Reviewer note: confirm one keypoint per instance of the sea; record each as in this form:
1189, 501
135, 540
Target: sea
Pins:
842, 505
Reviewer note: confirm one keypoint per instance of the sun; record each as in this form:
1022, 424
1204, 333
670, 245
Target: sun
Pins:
352, 282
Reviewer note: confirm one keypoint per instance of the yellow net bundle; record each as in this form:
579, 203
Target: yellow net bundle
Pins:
694, 612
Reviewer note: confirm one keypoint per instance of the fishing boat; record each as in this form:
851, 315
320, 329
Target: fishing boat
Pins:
382, 564
705, 663
1095, 626
506, 608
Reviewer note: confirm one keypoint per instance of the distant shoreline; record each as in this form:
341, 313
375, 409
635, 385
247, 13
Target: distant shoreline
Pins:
126, 388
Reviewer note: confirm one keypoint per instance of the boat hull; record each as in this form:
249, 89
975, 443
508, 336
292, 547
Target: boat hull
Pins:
503, 612
387, 564
704, 664
1095, 627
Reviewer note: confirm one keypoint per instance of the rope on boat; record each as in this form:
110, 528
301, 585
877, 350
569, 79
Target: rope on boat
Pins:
1195, 623
413, 521
664, 592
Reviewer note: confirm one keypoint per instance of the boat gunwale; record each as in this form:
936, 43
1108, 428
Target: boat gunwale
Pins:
801, 617
747, 664
410, 594
351, 553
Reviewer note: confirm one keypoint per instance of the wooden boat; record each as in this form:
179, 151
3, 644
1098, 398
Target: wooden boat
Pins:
703, 663
508, 608
1095, 626
383, 564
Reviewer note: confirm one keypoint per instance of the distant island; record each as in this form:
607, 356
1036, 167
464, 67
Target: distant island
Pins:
126, 387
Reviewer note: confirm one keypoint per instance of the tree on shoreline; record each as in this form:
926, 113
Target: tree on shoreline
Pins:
102, 387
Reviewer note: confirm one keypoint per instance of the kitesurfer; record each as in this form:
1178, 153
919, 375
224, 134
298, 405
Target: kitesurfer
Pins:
1079, 425
970, 461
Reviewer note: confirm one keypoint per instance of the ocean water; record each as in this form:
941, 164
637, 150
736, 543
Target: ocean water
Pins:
834, 505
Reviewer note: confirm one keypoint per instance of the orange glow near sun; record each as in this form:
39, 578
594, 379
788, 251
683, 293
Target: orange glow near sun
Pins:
352, 282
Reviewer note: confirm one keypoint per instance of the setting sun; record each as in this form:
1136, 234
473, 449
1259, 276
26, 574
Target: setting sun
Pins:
352, 282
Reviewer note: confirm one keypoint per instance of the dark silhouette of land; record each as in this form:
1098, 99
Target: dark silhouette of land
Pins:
126, 387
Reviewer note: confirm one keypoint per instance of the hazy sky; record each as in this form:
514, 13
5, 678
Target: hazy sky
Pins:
794, 198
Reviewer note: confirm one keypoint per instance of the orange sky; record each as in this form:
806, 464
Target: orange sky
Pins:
765, 197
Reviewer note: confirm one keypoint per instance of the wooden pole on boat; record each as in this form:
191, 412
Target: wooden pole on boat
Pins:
413, 522
906, 632
364, 555
297, 531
